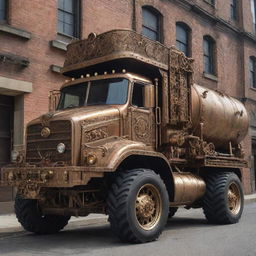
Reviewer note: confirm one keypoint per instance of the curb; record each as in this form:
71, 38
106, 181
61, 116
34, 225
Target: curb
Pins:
73, 223
250, 198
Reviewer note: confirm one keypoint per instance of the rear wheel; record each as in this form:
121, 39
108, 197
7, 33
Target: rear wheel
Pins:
138, 206
31, 219
224, 200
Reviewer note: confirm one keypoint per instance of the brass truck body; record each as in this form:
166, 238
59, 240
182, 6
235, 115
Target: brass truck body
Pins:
130, 111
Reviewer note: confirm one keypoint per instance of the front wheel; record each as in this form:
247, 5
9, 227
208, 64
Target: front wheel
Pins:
138, 206
224, 199
30, 217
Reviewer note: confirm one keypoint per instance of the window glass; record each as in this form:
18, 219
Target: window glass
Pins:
149, 33
68, 20
150, 24
137, 95
182, 38
2, 10
253, 72
73, 96
108, 92
233, 7
209, 61
100, 92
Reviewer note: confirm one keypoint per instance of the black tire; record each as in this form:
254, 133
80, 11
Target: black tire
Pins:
172, 211
29, 216
133, 196
223, 202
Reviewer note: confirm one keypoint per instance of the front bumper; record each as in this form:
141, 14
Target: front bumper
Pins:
30, 180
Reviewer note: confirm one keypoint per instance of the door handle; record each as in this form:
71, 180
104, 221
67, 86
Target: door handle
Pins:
158, 116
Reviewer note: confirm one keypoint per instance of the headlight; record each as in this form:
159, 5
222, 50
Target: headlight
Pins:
91, 159
61, 148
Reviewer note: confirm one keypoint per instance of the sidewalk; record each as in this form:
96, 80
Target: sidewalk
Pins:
9, 223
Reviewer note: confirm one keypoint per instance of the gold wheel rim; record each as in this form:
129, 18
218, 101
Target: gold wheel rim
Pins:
148, 206
234, 198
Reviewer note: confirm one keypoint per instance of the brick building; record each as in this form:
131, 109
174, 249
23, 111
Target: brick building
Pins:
219, 35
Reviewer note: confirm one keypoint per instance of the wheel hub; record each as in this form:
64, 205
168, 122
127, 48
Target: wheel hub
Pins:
234, 198
145, 206
148, 206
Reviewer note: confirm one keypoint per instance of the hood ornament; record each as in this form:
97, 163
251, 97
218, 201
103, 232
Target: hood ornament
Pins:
45, 132
45, 119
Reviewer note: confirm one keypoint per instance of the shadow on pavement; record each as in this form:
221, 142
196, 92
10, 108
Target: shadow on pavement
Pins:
81, 239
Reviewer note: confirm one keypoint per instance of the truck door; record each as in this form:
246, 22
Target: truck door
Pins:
143, 126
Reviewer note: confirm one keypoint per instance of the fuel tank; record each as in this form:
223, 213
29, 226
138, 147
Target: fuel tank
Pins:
224, 118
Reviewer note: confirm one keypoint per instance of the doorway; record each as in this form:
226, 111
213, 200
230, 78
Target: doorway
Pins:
254, 162
6, 139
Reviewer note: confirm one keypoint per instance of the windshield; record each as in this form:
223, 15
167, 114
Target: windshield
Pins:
112, 91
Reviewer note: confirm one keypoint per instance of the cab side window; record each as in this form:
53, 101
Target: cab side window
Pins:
138, 95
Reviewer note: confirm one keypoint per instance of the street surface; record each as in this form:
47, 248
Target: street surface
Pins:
187, 234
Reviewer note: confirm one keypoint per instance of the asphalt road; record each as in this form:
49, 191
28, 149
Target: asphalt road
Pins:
187, 234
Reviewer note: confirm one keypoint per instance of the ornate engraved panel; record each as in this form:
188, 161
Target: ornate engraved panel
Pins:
122, 43
142, 127
95, 134
181, 79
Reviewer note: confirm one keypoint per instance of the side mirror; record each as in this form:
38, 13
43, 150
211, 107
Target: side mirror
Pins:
149, 96
54, 97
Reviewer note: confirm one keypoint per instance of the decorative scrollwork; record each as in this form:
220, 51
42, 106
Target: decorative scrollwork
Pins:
141, 127
95, 134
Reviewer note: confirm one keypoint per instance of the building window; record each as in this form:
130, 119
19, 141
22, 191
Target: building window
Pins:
68, 17
209, 55
3, 10
212, 2
151, 26
253, 9
253, 72
234, 10
182, 38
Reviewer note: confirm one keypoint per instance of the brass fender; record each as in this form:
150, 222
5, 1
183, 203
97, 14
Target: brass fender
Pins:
112, 151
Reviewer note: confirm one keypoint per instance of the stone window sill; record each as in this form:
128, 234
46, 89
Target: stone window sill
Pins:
55, 69
210, 77
15, 31
253, 89
59, 45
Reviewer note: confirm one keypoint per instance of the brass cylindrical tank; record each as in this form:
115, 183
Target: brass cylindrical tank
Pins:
224, 118
188, 188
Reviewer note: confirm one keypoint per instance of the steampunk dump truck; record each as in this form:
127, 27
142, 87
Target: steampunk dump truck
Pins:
132, 137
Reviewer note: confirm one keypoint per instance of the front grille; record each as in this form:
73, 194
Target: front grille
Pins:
39, 148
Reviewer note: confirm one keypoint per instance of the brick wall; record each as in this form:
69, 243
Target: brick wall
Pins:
40, 18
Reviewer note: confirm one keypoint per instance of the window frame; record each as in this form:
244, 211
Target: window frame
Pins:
234, 10
6, 13
253, 8
187, 30
158, 31
76, 12
211, 55
252, 72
